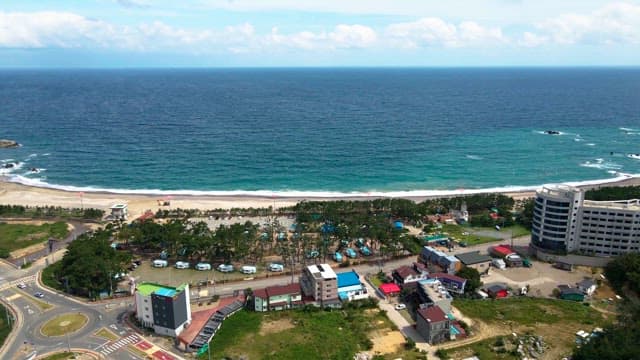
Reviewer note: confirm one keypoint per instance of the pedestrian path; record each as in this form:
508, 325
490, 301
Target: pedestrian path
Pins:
24, 280
115, 346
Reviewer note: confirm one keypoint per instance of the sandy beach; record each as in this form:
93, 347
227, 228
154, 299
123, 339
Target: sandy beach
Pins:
17, 194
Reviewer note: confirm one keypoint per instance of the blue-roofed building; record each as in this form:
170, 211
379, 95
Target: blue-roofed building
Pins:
350, 287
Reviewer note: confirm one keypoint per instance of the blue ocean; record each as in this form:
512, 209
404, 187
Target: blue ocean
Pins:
313, 131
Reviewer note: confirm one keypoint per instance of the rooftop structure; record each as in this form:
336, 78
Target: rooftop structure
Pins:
320, 283
473, 258
433, 324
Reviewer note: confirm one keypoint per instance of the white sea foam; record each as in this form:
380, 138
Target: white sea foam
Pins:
628, 129
293, 194
9, 171
32, 155
601, 164
474, 157
590, 144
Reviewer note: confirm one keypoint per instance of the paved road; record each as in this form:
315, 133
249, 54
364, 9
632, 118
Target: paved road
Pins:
369, 268
78, 228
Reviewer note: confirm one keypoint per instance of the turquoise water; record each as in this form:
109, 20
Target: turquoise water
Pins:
318, 131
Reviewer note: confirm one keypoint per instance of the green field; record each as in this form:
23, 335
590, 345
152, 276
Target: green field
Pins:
5, 329
474, 236
60, 356
19, 236
299, 334
529, 311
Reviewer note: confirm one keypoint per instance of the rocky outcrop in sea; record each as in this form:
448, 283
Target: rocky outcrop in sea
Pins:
4, 143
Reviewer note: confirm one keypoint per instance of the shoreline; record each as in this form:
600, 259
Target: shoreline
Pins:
15, 193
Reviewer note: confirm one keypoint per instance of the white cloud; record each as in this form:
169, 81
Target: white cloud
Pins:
353, 36
530, 39
614, 23
437, 32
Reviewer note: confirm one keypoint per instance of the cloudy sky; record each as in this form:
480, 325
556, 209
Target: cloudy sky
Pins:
240, 33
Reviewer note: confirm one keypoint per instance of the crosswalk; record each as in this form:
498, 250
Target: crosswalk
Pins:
131, 339
24, 280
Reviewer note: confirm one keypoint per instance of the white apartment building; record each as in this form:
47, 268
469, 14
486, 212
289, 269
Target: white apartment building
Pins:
564, 222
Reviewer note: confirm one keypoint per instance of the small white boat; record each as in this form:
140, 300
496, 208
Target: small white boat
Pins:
634, 156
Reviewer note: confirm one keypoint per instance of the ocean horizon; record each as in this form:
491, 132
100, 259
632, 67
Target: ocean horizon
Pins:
324, 132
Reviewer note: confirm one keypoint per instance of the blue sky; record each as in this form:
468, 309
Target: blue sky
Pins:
241, 33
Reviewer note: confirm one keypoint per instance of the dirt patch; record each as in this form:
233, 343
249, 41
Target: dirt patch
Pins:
276, 326
387, 342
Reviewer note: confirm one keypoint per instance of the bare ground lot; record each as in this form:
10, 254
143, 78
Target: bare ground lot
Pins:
541, 277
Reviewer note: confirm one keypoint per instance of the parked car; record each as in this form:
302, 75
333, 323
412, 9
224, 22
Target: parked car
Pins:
225, 268
21, 286
312, 254
160, 263
463, 244
203, 266
400, 306
249, 269
276, 267
182, 265
39, 295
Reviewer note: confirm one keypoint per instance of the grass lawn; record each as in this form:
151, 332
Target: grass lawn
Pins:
529, 311
375, 281
106, 334
297, 334
485, 349
63, 324
60, 356
456, 231
18, 236
5, 329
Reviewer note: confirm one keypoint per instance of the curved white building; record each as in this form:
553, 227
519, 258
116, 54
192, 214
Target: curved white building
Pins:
564, 222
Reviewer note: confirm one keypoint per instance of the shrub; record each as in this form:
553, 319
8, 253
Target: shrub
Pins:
4, 253
410, 344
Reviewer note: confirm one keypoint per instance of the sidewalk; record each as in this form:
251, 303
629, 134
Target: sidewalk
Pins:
403, 325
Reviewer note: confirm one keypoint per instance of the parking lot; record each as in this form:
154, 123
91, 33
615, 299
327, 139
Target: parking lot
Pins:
541, 277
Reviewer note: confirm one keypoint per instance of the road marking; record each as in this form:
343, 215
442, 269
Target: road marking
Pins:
13, 297
108, 349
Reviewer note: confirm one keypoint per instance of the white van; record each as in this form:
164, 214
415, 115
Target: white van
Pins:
276, 267
160, 263
225, 268
182, 265
248, 269
203, 266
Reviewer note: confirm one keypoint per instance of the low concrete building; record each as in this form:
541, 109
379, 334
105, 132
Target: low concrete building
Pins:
449, 263
279, 297
433, 325
475, 260
165, 309
452, 283
407, 274
320, 283
350, 287
119, 212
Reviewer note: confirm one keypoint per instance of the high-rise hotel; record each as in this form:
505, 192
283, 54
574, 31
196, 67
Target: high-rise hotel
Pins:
563, 221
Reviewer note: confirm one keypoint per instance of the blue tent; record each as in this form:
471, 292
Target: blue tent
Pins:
398, 225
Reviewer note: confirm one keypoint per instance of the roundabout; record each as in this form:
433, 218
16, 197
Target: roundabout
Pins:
64, 324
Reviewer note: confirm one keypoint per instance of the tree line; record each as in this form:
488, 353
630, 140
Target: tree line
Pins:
621, 340
39, 212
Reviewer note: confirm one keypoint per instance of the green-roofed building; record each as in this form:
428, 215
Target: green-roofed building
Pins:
163, 308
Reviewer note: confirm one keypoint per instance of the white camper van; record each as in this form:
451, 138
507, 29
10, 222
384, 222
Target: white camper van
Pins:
225, 268
160, 263
248, 269
182, 265
499, 263
275, 267
203, 266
